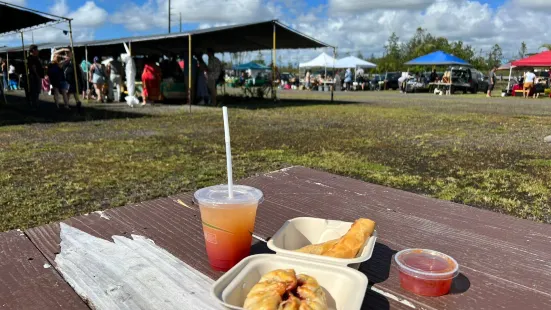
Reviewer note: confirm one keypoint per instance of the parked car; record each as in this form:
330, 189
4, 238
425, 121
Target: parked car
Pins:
480, 81
392, 80
469, 80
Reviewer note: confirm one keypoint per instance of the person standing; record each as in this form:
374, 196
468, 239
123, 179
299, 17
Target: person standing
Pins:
69, 73
58, 82
115, 70
214, 69
85, 68
5, 76
492, 79
529, 79
433, 76
307, 79
36, 74
151, 81
360, 77
97, 77
348, 79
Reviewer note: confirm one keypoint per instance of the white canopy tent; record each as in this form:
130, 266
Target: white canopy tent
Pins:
323, 60
353, 62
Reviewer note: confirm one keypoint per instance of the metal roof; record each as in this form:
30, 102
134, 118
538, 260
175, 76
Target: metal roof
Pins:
234, 38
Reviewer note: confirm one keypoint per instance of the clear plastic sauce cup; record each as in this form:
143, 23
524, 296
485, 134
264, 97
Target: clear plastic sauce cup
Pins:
228, 223
426, 272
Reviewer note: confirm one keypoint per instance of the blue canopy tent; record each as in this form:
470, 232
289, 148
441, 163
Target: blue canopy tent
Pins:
437, 58
250, 66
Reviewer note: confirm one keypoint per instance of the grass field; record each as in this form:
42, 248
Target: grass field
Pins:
468, 149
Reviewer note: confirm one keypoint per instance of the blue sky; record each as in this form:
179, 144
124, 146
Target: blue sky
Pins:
352, 25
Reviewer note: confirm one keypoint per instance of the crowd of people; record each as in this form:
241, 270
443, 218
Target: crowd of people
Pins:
102, 80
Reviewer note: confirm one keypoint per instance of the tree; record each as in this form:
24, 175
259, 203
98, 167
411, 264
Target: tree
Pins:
495, 56
260, 59
360, 55
523, 50
547, 46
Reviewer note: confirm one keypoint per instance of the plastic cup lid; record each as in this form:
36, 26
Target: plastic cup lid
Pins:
218, 195
427, 264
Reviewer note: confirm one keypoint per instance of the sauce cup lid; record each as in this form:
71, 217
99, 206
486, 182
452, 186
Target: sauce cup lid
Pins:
426, 264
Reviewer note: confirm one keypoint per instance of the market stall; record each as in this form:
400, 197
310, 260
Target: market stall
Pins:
440, 58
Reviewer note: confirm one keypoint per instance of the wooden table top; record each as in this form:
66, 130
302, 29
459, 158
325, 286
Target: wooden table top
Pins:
505, 262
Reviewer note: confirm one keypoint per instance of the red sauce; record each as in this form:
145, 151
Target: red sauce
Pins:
425, 287
433, 285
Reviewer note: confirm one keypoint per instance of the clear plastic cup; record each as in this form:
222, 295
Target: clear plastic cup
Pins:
426, 272
228, 223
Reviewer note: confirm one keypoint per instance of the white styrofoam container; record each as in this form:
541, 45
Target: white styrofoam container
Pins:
344, 287
302, 231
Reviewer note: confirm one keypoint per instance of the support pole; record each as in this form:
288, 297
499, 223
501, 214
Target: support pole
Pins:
334, 74
77, 95
274, 89
168, 16
189, 87
28, 88
510, 73
180, 21
88, 72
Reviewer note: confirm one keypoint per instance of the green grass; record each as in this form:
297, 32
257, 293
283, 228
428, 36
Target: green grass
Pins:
488, 154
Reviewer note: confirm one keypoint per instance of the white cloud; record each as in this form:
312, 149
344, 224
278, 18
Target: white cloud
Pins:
368, 26
89, 15
60, 8
154, 13
533, 4
350, 6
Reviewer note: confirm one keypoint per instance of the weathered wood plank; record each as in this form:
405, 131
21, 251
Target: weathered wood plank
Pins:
27, 282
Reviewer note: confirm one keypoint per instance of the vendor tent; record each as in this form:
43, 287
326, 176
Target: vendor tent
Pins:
438, 58
323, 60
353, 62
250, 66
542, 59
15, 18
18, 19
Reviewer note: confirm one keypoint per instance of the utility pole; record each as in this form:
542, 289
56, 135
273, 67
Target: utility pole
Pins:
169, 16
180, 21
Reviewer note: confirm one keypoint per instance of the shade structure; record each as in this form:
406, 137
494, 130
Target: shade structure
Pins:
250, 66
323, 60
234, 38
438, 58
13, 18
542, 59
353, 62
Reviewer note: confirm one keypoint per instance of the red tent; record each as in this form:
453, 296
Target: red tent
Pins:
539, 60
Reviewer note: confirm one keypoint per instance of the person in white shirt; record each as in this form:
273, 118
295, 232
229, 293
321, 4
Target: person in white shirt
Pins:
529, 79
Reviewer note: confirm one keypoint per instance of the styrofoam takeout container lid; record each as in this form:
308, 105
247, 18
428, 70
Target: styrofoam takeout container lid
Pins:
302, 231
344, 287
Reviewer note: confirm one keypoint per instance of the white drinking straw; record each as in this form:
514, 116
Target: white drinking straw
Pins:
228, 151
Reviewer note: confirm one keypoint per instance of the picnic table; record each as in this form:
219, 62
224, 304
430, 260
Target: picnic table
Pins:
505, 262
448, 88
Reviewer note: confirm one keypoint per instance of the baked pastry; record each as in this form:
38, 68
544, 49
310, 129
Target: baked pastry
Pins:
268, 293
348, 245
311, 293
284, 290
